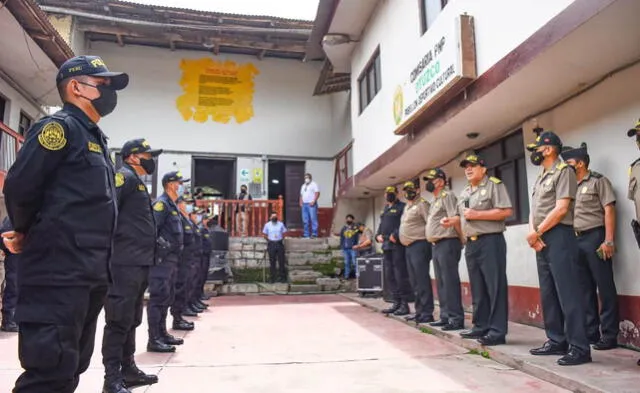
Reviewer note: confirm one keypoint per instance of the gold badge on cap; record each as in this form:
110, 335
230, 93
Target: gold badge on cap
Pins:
145, 143
52, 136
119, 179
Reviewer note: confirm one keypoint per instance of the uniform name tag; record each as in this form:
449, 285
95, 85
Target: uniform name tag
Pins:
94, 147
141, 187
174, 213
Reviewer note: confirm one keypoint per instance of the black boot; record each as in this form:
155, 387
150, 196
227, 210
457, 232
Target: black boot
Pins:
394, 307
202, 304
181, 324
134, 377
114, 387
157, 345
197, 308
205, 297
188, 312
402, 310
9, 325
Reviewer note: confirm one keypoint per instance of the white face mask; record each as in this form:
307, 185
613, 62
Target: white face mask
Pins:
307, 180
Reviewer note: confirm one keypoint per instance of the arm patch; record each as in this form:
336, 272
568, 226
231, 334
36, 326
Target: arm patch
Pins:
158, 206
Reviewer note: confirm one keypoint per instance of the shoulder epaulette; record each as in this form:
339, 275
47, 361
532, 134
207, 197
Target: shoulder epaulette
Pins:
562, 165
422, 200
495, 180
596, 175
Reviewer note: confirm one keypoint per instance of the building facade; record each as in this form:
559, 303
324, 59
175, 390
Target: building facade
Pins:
434, 79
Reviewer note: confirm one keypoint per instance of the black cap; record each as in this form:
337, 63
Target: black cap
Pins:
435, 173
138, 146
576, 153
472, 159
547, 138
173, 176
91, 66
635, 130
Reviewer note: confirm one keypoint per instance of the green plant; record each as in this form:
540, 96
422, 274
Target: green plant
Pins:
250, 275
426, 330
328, 269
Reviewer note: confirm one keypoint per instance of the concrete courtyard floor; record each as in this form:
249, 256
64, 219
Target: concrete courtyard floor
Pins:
286, 344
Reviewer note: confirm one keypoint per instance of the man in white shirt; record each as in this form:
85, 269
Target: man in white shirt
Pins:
309, 194
274, 233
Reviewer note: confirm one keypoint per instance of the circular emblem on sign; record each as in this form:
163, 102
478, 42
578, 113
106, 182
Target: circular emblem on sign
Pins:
119, 179
52, 136
398, 105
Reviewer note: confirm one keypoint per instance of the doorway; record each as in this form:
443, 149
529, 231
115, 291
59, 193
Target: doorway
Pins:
215, 176
286, 178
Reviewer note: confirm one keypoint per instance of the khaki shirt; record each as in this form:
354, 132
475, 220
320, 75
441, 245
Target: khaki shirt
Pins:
490, 194
444, 205
594, 193
559, 182
634, 192
414, 221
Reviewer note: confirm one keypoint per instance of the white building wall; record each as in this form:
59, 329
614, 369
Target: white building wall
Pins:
395, 27
16, 102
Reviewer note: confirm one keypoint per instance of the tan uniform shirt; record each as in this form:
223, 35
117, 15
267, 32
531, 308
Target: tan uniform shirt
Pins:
594, 193
414, 221
490, 194
444, 205
559, 182
634, 187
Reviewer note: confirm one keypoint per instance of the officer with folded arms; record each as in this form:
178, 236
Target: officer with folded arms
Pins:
180, 308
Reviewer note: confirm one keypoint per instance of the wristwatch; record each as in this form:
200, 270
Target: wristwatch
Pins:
608, 244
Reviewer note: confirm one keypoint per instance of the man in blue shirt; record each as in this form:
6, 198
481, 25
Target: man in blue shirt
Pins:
274, 232
349, 239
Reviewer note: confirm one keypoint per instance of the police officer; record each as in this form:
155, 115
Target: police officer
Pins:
179, 307
10, 293
483, 207
554, 240
445, 236
395, 265
594, 224
412, 233
196, 263
162, 276
134, 252
203, 272
634, 187
60, 196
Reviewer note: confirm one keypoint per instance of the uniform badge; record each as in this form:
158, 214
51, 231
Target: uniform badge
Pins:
483, 192
119, 179
584, 189
52, 136
548, 182
187, 227
158, 206
94, 147
175, 213
141, 187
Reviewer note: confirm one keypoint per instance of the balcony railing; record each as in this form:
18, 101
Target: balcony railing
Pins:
243, 218
10, 143
341, 170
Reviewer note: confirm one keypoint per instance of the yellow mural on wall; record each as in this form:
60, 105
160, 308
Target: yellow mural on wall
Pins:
219, 90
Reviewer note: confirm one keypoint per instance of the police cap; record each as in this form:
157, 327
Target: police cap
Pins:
472, 159
91, 66
409, 186
391, 189
635, 130
547, 138
173, 176
435, 173
138, 146
576, 153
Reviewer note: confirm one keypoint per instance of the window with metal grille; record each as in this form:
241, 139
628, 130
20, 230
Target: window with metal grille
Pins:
370, 81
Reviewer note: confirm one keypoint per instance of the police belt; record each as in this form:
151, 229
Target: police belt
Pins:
275, 241
588, 231
442, 239
476, 237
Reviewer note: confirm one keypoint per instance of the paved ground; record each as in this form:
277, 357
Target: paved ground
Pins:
305, 344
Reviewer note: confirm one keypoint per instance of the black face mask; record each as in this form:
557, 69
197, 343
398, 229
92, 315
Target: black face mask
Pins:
148, 164
274, 219
430, 187
243, 191
410, 195
536, 158
391, 197
106, 103
349, 222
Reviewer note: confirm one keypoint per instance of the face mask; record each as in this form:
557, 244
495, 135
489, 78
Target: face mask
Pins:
349, 222
391, 197
274, 219
410, 195
148, 164
243, 191
430, 187
180, 190
189, 209
536, 158
307, 180
106, 103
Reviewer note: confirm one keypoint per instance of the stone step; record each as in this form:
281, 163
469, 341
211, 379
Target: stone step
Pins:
300, 267
295, 244
304, 288
303, 276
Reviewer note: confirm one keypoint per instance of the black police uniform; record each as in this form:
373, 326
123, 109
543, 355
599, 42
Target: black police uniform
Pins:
60, 192
10, 294
395, 266
207, 248
162, 276
178, 307
195, 264
134, 252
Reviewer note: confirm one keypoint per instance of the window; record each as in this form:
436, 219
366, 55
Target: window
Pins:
506, 160
3, 106
25, 123
370, 81
150, 181
429, 11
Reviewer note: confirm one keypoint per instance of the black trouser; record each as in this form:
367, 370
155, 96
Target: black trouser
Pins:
276, 253
57, 334
396, 274
195, 266
10, 295
123, 314
446, 257
162, 280
596, 276
182, 285
418, 255
203, 272
562, 304
487, 264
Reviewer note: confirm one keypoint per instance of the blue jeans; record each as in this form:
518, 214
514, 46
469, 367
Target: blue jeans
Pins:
310, 216
349, 260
